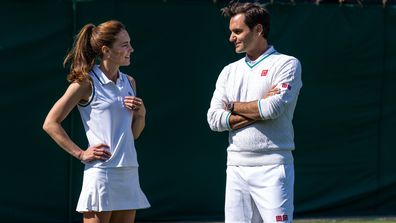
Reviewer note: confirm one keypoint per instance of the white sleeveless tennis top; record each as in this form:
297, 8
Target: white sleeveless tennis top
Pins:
106, 119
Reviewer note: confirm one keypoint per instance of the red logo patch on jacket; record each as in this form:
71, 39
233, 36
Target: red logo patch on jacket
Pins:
280, 218
286, 85
264, 72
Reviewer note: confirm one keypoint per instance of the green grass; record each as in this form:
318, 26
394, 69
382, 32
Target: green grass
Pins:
345, 221
332, 220
355, 220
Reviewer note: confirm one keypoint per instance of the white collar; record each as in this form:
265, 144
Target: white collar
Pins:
266, 53
103, 79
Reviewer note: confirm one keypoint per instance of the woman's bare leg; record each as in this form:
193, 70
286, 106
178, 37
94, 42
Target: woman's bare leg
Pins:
124, 216
97, 217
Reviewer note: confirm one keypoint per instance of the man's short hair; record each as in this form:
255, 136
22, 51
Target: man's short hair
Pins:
254, 14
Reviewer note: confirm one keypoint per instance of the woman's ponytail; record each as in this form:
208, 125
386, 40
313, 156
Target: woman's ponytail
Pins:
81, 56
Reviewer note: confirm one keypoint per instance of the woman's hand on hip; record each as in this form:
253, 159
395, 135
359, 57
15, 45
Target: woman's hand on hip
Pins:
97, 152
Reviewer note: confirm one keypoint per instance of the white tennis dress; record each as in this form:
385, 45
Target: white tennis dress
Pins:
112, 184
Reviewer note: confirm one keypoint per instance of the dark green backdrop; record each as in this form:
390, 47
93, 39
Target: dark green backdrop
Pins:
344, 122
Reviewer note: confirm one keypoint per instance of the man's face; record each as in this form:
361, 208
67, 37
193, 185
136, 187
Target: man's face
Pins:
241, 35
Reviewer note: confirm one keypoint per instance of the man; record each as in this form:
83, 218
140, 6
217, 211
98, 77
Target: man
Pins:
254, 100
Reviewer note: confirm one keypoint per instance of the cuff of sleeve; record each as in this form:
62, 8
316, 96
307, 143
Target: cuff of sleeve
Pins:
259, 103
227, 120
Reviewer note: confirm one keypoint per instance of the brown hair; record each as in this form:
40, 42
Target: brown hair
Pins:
87, 48
254, 14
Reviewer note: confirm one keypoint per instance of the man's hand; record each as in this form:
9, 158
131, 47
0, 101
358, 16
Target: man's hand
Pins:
274, 91
246, 113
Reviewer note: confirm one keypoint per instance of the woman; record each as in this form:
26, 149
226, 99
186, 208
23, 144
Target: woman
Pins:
113, 118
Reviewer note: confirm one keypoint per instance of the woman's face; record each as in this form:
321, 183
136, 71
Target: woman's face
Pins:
120, 52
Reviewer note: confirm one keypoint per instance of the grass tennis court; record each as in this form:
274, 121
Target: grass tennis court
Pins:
356, 220
333, 220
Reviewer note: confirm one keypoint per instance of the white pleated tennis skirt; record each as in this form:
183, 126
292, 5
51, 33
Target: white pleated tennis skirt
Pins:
111, 189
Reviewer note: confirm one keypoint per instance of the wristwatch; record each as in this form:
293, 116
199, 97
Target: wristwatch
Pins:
230, 106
